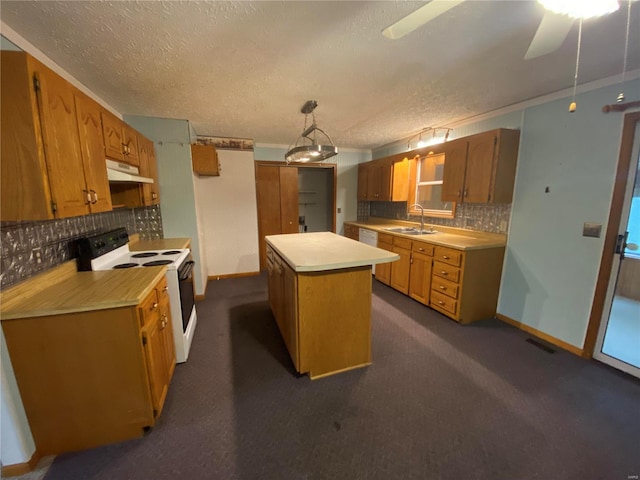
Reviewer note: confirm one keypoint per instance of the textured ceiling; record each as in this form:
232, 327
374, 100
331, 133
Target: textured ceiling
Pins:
244, 69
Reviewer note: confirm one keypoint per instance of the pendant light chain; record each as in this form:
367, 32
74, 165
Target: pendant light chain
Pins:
572, 106
626, 50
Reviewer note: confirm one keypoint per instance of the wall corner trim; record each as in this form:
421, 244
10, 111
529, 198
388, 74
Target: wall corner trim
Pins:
21, 468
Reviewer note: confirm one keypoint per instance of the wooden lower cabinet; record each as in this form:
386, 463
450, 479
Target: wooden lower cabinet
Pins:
324, 317
352, 232
92, 378
462, 285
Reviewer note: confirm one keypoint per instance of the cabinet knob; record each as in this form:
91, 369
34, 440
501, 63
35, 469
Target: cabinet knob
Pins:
154, 306
458, 194
88, 195
445, 257
442, 287
95, 197
443, 272
440, 302
466, 192
166, 288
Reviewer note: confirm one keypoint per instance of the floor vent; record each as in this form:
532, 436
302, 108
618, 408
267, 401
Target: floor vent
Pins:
540, 345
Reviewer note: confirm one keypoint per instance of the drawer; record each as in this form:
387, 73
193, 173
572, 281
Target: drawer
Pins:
448, 255
446, 271
423, 248
385, 238
441, 285
444, 303
269, 253
163, 291
149, 307
402, 242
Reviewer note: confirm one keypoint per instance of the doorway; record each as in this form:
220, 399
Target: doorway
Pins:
294, 198
616, 333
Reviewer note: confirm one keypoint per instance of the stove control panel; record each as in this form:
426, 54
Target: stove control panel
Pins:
95, 246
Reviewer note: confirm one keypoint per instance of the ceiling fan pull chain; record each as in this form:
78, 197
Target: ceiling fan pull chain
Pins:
626, 49
572, 106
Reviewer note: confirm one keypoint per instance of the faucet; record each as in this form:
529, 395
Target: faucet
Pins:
421, 215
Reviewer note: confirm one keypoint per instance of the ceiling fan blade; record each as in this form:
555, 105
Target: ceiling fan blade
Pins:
419, 17
552, 31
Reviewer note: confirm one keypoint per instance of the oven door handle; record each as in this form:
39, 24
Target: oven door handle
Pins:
185, 270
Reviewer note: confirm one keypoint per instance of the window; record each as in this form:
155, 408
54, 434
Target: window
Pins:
428, 187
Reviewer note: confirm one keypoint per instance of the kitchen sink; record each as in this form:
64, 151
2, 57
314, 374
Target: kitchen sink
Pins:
410, 231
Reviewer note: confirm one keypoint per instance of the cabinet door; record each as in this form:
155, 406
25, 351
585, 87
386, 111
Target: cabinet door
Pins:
205, 160
289, 200
400, 270
130, 142
420, 277
383, 270
154, 344
374, 181
290, 312
453, 177
62, 146
92, 150
384, 170
363, 182
113, 139
152, 171
148, 168
477, 187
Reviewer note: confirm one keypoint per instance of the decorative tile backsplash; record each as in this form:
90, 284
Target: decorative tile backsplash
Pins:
54, 238
491, 217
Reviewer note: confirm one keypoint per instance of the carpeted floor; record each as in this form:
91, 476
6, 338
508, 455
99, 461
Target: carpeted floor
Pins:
441, 401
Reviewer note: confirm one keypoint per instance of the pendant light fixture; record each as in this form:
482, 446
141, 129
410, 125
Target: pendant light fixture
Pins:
620, 98
306, 147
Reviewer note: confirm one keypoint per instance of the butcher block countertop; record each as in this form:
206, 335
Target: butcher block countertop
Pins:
321, 251
73, 292
457, 238
137, 245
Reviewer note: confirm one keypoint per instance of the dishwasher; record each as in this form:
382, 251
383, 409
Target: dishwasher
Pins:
369, 237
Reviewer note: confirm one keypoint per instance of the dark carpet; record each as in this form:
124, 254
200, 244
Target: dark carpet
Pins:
440, 401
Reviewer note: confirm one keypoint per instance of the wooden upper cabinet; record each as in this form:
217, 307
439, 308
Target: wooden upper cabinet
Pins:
92, 152
205, 160
148, 168
363, 182
455, 154
487, 174
120, 140
47, 168
385, 180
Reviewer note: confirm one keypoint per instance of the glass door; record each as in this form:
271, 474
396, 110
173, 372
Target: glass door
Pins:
618, 342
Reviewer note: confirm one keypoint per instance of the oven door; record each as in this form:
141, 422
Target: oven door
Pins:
185, 282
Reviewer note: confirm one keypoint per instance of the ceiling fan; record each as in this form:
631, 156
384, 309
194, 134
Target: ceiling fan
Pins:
551, 33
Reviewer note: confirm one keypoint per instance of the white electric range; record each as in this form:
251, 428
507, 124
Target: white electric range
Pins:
110, 250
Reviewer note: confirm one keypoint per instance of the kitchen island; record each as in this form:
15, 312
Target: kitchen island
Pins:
320, 296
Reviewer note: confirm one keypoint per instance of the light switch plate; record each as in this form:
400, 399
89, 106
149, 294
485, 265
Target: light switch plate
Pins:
591, 230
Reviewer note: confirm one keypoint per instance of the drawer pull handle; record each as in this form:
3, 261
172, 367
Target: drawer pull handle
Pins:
443, 272
442, 287
440, 302
166, 288
154, 306
421, 249
445, 257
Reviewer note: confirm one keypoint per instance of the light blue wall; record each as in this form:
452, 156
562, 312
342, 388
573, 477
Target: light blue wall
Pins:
551, 269
347, 181
172, 139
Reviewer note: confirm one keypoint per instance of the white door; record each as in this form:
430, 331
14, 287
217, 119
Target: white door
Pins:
618, 342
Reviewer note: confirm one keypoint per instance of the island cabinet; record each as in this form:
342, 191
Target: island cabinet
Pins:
49, 168
92, 377
481, 168
320, 295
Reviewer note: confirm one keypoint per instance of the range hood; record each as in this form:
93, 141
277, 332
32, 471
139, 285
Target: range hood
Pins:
122, 173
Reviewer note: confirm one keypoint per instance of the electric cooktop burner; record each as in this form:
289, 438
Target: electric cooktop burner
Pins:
171, 252
126, 265
145, 254
155, 263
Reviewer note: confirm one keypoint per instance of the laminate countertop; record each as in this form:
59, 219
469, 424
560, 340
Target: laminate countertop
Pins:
322, 251
457, 238
81, 292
